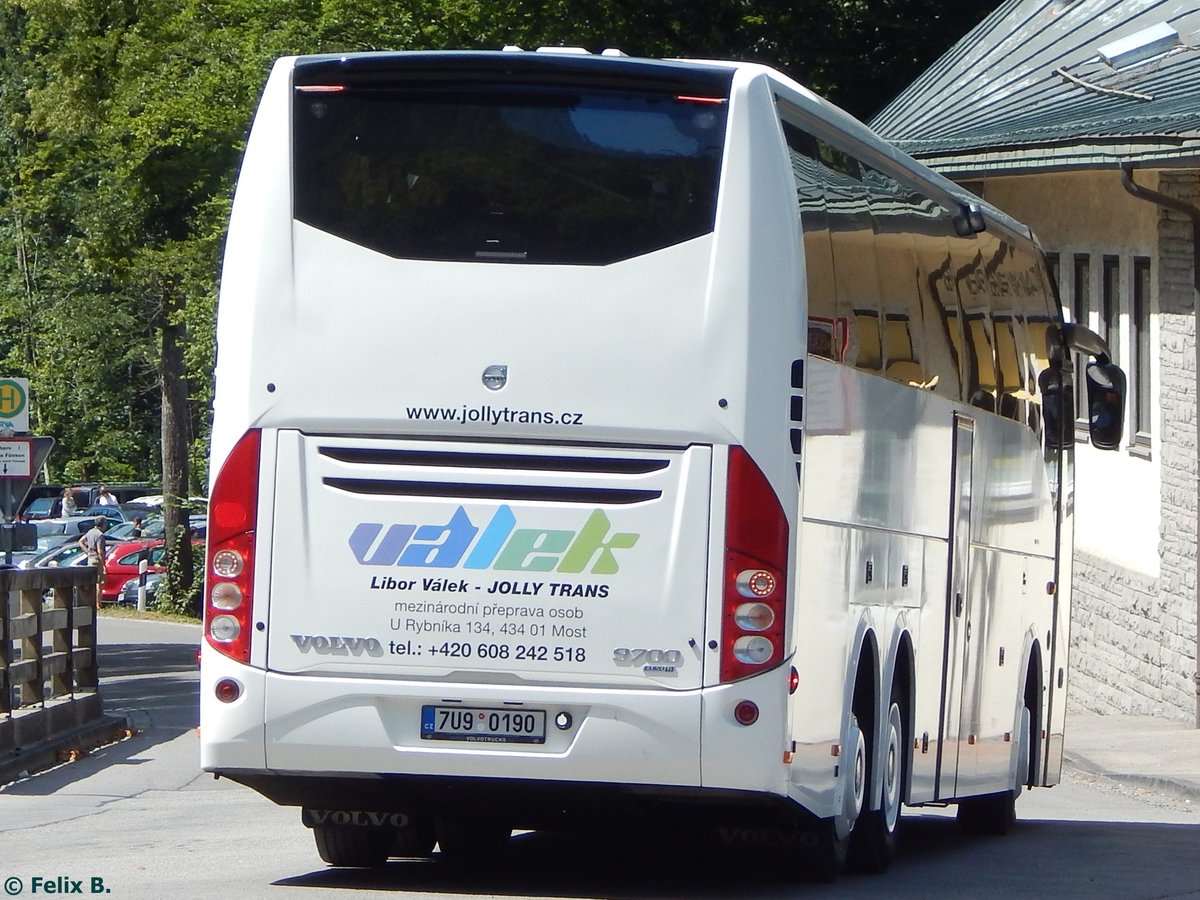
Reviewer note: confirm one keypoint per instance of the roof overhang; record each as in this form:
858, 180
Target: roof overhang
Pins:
1062, 157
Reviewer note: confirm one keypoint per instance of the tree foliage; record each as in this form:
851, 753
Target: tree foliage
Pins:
122, 123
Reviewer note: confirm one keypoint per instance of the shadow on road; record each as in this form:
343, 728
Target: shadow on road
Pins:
1040, 858
155, 685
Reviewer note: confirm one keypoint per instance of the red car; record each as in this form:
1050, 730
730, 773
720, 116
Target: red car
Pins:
121, 564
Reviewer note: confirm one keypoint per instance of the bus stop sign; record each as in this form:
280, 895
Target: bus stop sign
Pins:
14, 405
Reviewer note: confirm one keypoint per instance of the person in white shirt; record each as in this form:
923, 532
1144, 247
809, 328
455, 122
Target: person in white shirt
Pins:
104, 498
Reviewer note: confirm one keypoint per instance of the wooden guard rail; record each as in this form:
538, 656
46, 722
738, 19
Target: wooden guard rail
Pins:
48, 675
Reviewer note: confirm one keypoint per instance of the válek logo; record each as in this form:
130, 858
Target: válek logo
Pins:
498, 545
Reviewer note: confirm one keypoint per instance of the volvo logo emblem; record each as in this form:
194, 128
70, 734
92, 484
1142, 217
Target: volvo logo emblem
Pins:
495, 377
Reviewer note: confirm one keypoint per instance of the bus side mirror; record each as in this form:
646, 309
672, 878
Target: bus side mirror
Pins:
1058, 408
1106, 385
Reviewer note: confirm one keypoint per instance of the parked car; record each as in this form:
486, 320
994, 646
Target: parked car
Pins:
129, 591
49, 506
52, 533
122, 562
122, 513
42, 508
197, 505
155, 527
68, 554
152, 527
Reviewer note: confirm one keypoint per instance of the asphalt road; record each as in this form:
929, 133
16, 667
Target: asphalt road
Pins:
140, 817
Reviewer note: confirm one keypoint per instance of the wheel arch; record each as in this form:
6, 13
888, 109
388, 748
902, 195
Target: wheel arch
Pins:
1030, 695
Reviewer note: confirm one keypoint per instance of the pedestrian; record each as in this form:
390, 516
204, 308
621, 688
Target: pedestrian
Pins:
136, 531
96, 547
105, 498
68, 503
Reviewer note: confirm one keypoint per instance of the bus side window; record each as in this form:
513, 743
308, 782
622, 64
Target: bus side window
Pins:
852, 236
817, 246
1012, 391
870, 347
983, 393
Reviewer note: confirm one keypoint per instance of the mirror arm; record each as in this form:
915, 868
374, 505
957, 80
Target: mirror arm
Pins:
1081, 339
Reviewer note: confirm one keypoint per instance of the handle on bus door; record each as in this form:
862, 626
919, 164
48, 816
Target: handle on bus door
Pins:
958, 605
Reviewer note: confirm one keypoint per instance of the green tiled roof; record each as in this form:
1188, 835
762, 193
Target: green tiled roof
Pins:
1028, 88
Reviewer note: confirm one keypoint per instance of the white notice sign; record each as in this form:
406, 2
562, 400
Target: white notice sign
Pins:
15, 459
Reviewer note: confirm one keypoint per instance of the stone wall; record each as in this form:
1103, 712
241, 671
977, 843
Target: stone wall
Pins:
1134, 636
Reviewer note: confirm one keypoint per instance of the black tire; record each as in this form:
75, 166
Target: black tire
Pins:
353, 846
991, 814
460, 839
826, 854
416, 839
873, 841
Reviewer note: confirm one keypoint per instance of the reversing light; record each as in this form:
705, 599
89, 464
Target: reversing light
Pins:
228, 690
753, 583
754, 617
226, 595
563, 721
224, 629
746, 712
754, 650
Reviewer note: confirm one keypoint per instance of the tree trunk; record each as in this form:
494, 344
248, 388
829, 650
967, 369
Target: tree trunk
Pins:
175, 439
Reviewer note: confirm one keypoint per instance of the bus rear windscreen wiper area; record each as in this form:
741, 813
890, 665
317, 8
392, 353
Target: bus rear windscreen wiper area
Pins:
486, 172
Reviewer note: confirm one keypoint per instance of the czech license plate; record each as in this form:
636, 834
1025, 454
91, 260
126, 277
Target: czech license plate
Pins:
469, 723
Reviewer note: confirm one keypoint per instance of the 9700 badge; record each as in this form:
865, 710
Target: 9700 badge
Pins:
665, 662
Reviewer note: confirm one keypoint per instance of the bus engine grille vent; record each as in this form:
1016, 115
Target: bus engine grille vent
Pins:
494, 463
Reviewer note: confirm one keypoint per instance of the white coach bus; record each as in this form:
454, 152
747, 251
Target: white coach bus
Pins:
603, 440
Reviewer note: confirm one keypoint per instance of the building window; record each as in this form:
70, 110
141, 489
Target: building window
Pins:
1081, 304
1140, 365
1110, 308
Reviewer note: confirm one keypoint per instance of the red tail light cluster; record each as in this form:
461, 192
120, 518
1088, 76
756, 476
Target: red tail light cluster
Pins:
756, 554
229, 573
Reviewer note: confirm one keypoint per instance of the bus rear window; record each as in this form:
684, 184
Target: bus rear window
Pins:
541, 175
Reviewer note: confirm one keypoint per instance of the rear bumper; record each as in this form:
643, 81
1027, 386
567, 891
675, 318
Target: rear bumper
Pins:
525, 804
305, 740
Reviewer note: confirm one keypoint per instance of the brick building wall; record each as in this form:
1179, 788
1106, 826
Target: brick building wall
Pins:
1134, 637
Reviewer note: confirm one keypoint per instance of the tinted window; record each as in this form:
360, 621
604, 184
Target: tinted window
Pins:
553, 175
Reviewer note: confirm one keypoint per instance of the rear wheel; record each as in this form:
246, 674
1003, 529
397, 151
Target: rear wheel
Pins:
462, 839
828, 842
348, 845
826, 853
416, 839
873, 841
